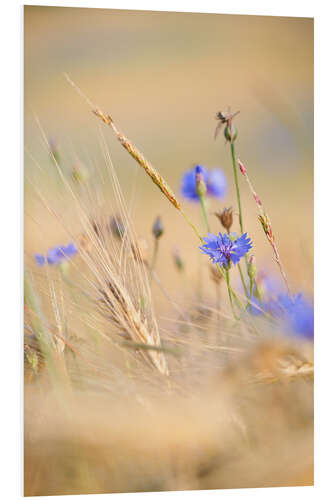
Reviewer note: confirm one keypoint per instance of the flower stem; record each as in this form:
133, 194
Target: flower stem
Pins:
230, 293
251, 288
237, 187
204, 211
153, 262
242, 279
191, 224
240, 216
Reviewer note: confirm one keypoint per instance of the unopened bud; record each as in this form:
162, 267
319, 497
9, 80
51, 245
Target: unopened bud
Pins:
252, 269
230, 132
79, 174
117, 226
226, 218
54, 152
200, 184
178, 259
158, 228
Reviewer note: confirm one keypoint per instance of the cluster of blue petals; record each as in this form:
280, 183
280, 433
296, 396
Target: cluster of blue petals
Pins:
298, 314
56, 255
223, 249
214, 179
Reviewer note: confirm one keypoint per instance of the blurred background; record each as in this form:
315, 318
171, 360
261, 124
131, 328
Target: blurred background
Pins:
163, 76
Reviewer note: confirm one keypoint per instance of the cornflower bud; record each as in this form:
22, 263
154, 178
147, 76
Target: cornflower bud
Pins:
79, 174
200, 184
158, 227
54, 152
178, 259
117, 226
230, 132
252, 269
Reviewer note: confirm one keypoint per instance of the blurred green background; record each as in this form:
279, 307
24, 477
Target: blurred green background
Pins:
163, 76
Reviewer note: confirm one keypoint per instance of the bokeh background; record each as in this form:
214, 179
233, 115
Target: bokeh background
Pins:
163, 76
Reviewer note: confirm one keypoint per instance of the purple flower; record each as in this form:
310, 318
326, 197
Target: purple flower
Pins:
214, 179
225, 249
40, 259
298, 314
56, 254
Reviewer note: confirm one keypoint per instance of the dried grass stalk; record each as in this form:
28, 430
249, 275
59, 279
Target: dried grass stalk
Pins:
138, 156
265, 223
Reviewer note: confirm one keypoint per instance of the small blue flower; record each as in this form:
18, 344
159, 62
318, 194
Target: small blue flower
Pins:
298, 314
70, 250
225, 249
214, 179
40, 259
56, 254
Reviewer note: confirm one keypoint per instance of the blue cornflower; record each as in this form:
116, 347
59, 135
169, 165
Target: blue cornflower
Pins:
56, 255
297, 312
225, 249
214, 179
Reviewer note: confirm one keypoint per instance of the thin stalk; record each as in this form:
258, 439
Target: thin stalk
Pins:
218, 296
230, 293
240, 216
251, 288
153, 262
266, 225
204, 211
191, 225
242, 279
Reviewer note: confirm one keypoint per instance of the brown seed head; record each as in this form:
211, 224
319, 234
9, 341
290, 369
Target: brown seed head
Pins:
226, 218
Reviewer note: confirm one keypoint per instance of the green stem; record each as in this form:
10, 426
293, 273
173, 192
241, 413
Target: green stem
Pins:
191, 224
242, 278
237, 187
230, 293
240, 215
251, 288
204, 211
153, 262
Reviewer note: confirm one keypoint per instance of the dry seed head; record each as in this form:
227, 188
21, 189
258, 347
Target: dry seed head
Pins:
226, 218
